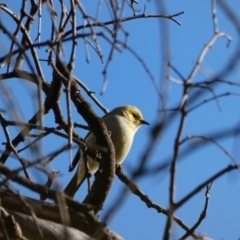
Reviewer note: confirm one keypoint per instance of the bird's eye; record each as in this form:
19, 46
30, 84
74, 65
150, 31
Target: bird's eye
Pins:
135, 116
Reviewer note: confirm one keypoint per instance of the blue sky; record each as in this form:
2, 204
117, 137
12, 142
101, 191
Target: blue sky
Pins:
128, 83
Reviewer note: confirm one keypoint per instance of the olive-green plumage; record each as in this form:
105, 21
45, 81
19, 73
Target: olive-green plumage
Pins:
122, 122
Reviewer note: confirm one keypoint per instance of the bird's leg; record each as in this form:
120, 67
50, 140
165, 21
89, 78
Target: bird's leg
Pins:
87, 172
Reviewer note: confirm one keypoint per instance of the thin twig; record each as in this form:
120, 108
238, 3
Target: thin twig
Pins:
202, 215
205, 183
189, 137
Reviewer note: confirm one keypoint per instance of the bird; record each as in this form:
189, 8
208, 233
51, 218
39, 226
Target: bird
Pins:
122, 123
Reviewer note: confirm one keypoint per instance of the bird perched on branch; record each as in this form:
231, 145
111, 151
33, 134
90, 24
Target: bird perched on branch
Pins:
122, 123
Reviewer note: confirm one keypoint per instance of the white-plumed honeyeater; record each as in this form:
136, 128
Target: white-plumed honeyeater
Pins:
122, 123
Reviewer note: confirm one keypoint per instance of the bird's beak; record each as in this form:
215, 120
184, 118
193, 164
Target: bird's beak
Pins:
144, 122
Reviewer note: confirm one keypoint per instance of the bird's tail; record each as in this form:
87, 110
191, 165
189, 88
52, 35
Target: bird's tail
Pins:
76, 181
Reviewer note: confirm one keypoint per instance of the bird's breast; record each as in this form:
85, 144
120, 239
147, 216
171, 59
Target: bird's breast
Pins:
122, 136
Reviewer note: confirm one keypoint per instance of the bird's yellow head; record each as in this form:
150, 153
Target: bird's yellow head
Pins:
133, 114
